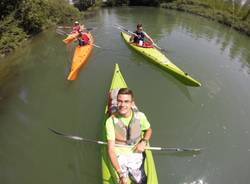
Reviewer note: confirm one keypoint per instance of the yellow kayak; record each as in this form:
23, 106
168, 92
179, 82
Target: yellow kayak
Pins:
155, 56
109, 175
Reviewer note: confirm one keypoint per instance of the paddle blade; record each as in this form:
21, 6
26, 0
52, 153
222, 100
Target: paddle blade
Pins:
68, 136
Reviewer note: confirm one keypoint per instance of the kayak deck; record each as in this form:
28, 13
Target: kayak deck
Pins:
81, 55
161, 60
109, 175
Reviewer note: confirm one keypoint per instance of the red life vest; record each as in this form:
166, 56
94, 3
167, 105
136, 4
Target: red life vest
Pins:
85, 38
146, 45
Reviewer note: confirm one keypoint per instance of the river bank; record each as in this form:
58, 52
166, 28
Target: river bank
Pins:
21, 20
236, 16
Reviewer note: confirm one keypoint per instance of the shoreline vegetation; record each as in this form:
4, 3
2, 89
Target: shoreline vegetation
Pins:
23, 19
232, 13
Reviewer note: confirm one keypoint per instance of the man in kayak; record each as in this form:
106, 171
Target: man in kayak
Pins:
139, 36
76, 27
83, 38
128, 126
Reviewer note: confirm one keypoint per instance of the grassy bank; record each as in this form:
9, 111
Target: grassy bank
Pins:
21, 19
232, 14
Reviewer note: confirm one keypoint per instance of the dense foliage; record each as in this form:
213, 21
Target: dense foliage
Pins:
84, 4
22, 18
115, 2
144, 2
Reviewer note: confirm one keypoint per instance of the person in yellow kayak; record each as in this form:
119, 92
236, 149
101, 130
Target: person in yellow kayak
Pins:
139, 37
127, 126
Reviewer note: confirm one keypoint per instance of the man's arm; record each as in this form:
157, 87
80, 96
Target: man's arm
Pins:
132, 38
114, 161
112, 156
149, 38
141, 146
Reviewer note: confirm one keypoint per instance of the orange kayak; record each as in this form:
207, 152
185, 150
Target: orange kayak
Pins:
70, 38
80, 57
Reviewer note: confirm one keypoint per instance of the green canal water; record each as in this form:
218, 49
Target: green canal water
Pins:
215, 116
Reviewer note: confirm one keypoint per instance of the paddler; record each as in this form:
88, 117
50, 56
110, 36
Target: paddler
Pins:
83, 37
139, 36
76, 27
128, 126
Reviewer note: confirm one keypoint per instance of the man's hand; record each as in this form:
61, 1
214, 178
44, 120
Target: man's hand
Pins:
141, 146
123, 180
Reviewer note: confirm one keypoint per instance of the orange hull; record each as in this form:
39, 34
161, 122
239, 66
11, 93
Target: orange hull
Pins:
70, 38
80, 57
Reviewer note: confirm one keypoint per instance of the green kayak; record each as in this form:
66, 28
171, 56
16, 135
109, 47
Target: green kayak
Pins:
160, 59
109, 175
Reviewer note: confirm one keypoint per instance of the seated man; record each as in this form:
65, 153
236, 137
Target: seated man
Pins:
76, 27
127, 126
139, 35
83, 38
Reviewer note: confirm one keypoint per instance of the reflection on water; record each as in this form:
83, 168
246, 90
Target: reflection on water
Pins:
198, 181
228, 39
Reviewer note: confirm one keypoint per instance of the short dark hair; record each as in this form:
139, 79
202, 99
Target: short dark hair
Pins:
139, 25
126, 91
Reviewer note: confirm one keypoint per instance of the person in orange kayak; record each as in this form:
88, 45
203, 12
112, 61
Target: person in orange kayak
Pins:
76, 27
83, 38
127, 126
139, 37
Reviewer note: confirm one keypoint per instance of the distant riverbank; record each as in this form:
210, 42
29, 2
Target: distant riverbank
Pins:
233, 15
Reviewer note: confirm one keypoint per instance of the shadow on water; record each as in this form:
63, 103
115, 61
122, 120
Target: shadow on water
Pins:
9, 75
183, 88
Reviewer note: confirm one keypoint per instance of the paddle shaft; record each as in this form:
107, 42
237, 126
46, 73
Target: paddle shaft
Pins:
126, 146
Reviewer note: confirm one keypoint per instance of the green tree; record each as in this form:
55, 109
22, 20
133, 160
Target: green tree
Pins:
7, 7
32, 15
144, 2
84, 4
